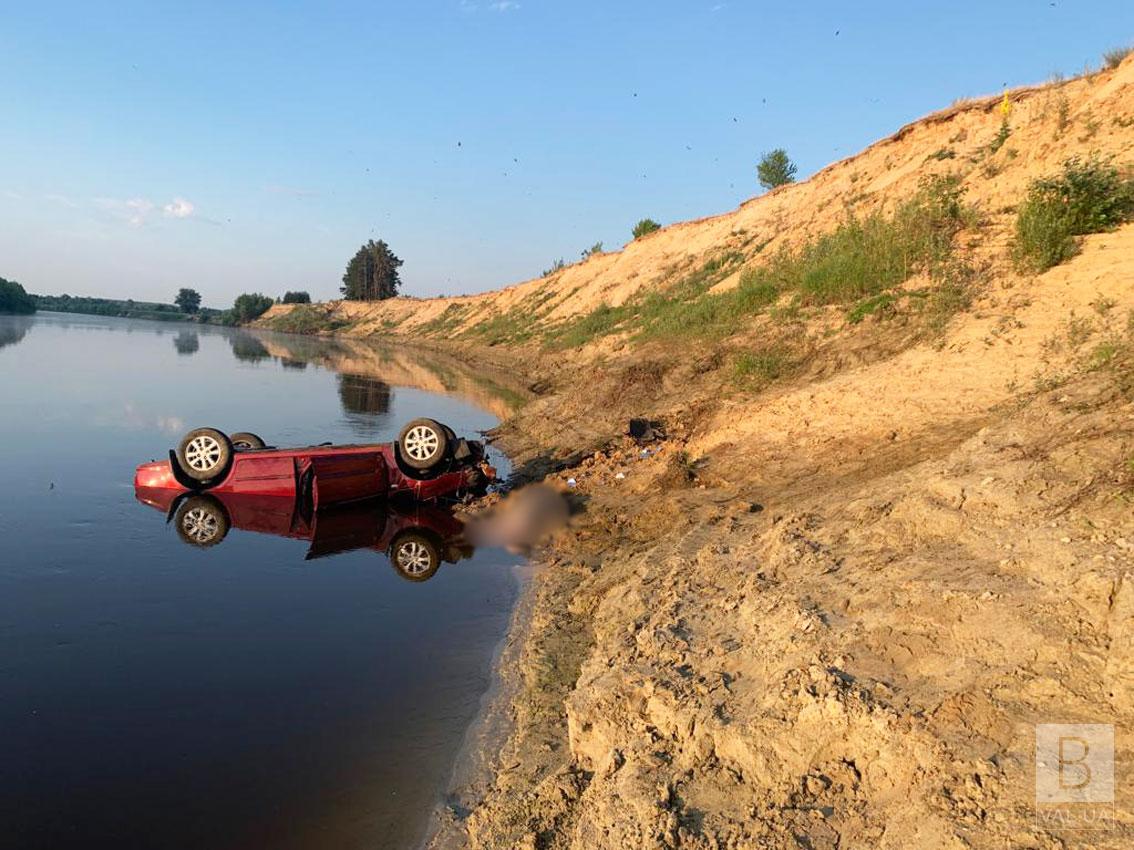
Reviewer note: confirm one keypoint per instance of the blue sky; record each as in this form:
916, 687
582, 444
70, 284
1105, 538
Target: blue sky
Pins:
252, 146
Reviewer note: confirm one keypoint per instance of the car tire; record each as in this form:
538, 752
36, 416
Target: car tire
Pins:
204, 454
201, 521
423, 443
243, 440
415, 556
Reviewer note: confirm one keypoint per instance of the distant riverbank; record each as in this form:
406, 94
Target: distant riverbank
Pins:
124, 309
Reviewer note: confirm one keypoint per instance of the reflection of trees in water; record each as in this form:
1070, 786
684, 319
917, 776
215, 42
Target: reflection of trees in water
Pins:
187, 342
288, 363
364, 399
247, 348
13, 329
311, 349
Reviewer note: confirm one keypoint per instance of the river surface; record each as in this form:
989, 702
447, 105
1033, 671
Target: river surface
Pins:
157, 694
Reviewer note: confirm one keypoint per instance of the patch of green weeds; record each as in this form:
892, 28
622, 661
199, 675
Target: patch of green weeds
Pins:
882, 303
1089, 196
759, 368
862, 258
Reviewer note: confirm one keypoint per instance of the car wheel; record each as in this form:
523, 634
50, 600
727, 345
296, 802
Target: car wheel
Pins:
415, 556
201, 521
423, 443
204, 453
247, 440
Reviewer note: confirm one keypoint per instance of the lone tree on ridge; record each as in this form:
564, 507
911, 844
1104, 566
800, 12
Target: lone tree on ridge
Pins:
775, 169
372, 273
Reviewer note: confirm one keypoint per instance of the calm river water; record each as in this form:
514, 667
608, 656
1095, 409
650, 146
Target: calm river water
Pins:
158, 695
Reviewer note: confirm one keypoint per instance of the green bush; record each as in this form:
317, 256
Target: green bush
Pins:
592, 251
296, 298
645, 227
250, 306
13, 298
1089, 196
1043, 236
305, 319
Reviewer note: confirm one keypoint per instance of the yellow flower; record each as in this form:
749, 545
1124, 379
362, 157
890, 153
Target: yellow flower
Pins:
1005, 106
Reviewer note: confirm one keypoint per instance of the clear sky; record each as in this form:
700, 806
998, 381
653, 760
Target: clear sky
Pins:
240, 146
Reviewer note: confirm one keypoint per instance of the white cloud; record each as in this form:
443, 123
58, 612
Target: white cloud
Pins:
61, 199
171, 424
138, 212
133, 418
178, 208
137, 209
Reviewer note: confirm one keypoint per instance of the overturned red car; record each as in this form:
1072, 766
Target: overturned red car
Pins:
428, 461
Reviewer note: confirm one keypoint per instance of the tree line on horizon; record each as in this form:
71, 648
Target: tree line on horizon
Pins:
186, 305
14, 299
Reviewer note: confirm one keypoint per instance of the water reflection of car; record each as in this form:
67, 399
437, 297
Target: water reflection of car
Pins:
428, 461
416, 538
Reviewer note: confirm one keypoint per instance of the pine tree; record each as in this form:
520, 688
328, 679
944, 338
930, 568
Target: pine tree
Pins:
775, 169
372, 273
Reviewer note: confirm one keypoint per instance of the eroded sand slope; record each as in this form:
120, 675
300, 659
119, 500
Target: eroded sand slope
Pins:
1048, 125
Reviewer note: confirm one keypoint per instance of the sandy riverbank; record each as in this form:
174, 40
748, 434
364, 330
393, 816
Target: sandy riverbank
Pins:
881, 544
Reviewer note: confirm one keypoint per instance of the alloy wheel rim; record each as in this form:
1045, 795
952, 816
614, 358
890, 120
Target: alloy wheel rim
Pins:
413, 557
203, 452
200, 525
421, 442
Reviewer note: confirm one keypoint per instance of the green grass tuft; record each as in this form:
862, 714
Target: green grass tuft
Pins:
1113, 58
760, 368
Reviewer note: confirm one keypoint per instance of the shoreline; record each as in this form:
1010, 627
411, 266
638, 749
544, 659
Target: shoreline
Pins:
476, 762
